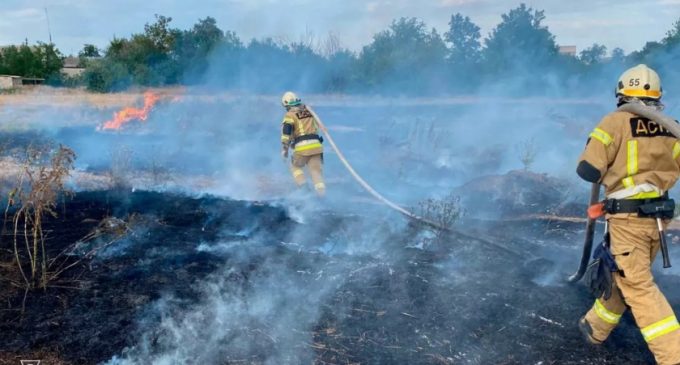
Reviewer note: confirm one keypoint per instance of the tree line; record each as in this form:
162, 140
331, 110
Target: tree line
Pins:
41, 61
519, 55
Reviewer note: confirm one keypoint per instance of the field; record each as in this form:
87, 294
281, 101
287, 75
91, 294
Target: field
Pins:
185, 241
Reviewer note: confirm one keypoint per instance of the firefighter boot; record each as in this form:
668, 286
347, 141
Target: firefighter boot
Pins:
587, 332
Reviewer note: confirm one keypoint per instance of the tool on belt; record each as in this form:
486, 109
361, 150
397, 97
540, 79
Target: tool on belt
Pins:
597, 210
657, 208
661, 210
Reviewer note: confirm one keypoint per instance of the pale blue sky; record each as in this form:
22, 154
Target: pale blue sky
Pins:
615, 23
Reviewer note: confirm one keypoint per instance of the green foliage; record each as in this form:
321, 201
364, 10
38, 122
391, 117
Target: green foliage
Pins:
89, 51
193, 47
618, 56
594, 54
41, 60
464, 39
106, 75
405, 54
519, 55
520, 42
672, 38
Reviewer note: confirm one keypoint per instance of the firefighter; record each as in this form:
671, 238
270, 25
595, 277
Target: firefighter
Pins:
638, 162
300, 131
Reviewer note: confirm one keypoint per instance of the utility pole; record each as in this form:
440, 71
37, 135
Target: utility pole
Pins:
49, 30
50, 46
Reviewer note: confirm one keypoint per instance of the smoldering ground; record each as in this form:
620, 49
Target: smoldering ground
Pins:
286, 278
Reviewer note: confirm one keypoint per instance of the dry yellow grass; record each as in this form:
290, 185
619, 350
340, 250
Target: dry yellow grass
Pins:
65, 97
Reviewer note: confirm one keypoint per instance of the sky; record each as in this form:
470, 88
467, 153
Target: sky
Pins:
615, 23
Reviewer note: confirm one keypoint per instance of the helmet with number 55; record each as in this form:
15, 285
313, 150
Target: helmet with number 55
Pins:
640, 82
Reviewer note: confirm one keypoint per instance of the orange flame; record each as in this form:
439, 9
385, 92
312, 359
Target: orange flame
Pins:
130, 113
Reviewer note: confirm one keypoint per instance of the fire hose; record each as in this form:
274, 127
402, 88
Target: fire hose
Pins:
390, 204
667, 123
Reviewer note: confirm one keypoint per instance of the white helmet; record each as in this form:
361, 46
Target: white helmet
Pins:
640, 82
290, 99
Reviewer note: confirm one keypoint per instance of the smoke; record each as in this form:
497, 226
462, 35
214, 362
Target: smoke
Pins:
268, 299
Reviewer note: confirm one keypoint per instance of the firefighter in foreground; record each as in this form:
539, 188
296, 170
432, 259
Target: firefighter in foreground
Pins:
300, 131
638, 162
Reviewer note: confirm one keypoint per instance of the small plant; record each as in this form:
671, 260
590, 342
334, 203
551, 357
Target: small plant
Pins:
121, 165
160, 175
39, 187
527, 151
444, 212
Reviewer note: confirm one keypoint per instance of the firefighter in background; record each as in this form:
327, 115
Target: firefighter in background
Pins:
300, 132
638, 162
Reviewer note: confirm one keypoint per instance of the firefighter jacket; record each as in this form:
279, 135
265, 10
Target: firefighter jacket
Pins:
633, 157
301, 131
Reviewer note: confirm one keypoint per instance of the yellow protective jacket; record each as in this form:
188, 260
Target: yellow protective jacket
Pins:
301, 131
633, 157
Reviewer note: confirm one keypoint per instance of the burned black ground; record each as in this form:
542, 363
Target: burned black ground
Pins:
418, 299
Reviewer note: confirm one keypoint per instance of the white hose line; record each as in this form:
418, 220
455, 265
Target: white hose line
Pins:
358, 178
363, 182
650, 113
394, 206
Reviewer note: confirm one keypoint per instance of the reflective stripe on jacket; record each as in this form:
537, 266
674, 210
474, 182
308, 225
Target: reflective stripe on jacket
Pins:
303, 124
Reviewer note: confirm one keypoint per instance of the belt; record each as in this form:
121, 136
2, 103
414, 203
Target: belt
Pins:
306, 137
644, 207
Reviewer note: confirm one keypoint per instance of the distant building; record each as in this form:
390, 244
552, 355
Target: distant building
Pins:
12, 81
568, 50
9, 81
72, 67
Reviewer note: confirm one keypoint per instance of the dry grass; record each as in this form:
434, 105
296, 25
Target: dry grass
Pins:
64, 97
35, 195
445, 212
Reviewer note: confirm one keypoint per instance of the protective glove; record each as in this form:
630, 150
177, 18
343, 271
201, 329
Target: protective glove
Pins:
599, 280
284, 153
598, 276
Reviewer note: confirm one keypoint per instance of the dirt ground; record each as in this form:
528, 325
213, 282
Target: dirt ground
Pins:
200, 279
457, 301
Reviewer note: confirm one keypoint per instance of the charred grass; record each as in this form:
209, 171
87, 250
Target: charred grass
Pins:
455, 301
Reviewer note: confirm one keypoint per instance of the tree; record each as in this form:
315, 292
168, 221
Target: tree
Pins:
89, 51
672, 37
104, 75
340, 74
192, 47
207, 35
618, 55
42, 60
160, 34
464, 39
148, 57
593, 55
520, 42
406, 58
